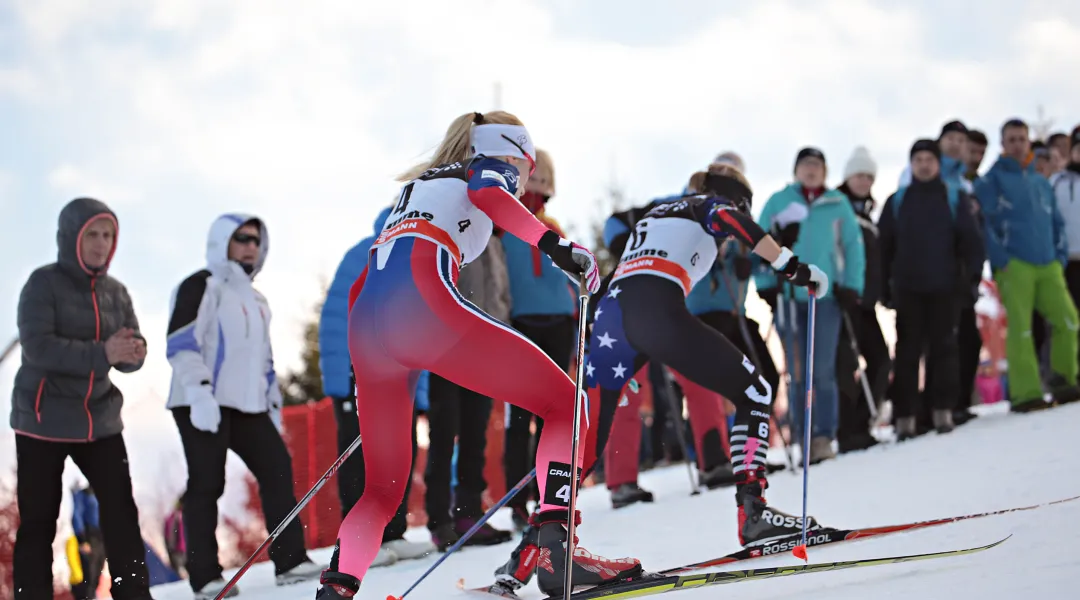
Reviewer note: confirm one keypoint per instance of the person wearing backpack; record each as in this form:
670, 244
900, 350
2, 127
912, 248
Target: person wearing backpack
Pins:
929, 240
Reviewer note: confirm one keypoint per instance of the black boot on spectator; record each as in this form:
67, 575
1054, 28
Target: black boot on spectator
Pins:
485, 536
1029, 405
1062, 391
943, 421
905, 428
718, 477
962, 415
520, 518
629, 493
444, 536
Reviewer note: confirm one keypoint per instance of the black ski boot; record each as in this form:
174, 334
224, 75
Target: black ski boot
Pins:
589, 570
336, 585
758, 523
629, 493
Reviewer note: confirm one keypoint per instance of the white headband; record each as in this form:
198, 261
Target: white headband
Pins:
503, 140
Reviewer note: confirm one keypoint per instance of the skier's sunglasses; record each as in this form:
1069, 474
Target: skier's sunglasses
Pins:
246, 238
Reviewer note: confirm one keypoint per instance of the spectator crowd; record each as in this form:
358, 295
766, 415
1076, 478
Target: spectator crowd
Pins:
951, 233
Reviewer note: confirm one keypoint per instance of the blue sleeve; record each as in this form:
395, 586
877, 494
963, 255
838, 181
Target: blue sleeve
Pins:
488, 172
613, 228
766, 277
421, 400
334, 361
987, 193
851, 240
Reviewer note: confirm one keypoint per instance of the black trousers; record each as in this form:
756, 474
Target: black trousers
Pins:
554, 334
854, 418
657, 327
755, 348
926, 322
104, 462
257, 442
455, 412
351, 476
1072, 280
970, 346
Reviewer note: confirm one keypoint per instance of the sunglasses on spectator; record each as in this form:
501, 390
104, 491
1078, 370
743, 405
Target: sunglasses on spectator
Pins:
246, 238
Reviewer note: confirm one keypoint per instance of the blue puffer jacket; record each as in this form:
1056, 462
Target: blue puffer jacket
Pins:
712, 294
537, 286
1022, 218
334, 361
830, 238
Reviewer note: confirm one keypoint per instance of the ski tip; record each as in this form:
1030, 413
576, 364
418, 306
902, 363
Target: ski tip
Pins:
800, 552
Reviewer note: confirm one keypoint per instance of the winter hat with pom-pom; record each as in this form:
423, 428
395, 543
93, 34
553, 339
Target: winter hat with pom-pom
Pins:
860, 162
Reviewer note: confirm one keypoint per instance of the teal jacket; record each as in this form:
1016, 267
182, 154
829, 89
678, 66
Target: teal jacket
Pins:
1022, 218
712, 294
829, 238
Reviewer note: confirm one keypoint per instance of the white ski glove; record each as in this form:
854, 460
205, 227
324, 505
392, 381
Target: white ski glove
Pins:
801, 274
205, 412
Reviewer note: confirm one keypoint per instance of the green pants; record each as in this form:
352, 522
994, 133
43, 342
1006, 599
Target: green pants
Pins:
1025, 287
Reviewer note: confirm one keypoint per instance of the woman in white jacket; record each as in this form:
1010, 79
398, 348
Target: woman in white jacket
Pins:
224, 396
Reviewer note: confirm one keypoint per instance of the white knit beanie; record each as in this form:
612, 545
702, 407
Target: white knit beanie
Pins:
860, 162
730, 158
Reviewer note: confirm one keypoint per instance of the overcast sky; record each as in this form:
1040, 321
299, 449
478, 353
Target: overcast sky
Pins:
175, 111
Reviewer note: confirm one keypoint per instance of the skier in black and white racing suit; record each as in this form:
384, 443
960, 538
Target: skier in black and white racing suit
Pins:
642, 314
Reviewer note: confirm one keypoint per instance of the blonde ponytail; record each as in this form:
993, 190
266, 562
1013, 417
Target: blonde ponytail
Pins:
697, 183
455, 146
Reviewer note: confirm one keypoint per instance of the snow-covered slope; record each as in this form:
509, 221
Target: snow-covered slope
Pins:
996, 461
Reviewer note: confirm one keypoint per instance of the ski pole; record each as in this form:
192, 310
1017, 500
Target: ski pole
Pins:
289, 518
468, 534
676, 416
800, 550
862, 372
579, 384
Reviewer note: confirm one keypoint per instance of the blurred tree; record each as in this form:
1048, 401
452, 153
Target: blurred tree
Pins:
305, 384
614, 199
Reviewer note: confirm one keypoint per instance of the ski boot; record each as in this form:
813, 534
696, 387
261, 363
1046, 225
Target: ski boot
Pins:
629, 493
589, 569
335, 585
518, 571
758, 523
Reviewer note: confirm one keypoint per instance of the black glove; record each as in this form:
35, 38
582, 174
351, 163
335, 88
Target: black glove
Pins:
743, 267
786, 236
848, 298
804, 275
769, 296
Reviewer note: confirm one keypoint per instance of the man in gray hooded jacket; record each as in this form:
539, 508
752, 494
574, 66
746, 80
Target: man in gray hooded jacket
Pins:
76, 324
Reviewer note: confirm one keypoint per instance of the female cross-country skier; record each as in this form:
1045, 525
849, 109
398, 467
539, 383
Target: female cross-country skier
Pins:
407, 315
642, 315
